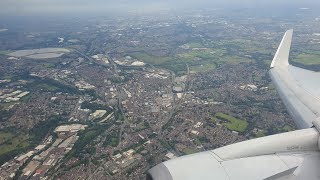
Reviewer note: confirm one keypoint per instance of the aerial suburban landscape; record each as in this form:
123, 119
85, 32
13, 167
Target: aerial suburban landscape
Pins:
110, 97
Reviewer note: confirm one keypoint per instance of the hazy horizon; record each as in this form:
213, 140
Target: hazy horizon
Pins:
44, 7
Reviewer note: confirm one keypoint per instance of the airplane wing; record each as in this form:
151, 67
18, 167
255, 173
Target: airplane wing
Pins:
298, 88
288, 156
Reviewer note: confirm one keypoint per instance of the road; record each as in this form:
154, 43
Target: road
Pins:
175, 106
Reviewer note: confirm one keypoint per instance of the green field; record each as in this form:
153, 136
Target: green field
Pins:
5, 52
47, 87
244, 45
202, 68
155, 60
213, 120
202, 54
260, 134
112, 140
235, 59
85, 137
195, 45
167, 62
218, 56
47, 65
8, 104
11, 145
4, 136
188, 151
206, 58
7, 76
308, 58
233, 124
25, 98
18, 142
287, 128
198, 61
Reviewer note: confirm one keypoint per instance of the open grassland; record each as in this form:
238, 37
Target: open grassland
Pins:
260, 134
202, 68
4, 136
232, 123
155, 60
195, 45
203, 56
245, 45
213, 120
188, 151
234, 59
47, 65
198, 61
287, 128
308, 58
47, 87
5, 52
12, 144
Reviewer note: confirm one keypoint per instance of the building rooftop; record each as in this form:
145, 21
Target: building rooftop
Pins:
70, 128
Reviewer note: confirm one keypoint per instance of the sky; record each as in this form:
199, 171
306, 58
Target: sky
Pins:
16, 7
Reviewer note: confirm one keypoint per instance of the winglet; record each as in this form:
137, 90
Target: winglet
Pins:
282, 55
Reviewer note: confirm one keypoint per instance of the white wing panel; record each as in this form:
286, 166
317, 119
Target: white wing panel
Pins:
258, 167
202, 163
308, 80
